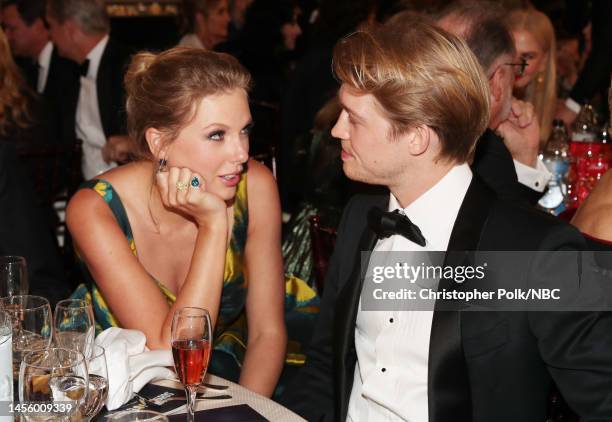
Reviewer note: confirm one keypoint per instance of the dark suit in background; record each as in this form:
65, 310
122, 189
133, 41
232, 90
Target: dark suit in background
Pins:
494, 164
483, 367
24, 232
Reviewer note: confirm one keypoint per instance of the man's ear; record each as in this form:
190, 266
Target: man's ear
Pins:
156, 144
495, 84
418, 140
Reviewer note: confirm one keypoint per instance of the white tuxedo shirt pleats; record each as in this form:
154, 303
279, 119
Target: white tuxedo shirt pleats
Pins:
44, 63
390, 379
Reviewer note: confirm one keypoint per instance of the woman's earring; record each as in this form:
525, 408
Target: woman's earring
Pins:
162, 165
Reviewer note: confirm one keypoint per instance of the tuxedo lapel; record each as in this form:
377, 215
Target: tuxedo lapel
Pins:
104, 85
448, 384
345, 355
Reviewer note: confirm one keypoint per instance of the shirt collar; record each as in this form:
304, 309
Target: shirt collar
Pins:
95, 56
436, 210
44, 58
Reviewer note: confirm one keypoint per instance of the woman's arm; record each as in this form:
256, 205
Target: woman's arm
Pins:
267, 342
129, 291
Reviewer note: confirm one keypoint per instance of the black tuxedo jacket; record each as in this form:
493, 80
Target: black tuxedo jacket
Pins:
24, 231
111, 92
483, 367
493, 163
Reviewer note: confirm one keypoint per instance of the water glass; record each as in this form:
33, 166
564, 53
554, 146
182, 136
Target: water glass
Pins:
31, 325
6, 357
98, 382
74, 325
13, 276
55, 375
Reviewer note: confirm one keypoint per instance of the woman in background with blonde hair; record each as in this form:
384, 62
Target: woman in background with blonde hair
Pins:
15, 96
534, 37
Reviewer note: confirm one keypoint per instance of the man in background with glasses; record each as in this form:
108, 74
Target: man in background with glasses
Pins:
506, 155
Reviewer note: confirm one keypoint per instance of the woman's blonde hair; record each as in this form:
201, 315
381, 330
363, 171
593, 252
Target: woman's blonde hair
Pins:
542, 91
420, 75
14, 92
163, 90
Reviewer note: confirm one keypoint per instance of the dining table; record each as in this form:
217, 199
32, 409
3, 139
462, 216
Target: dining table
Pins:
238, 395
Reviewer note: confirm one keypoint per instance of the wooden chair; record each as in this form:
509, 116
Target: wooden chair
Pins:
323, 241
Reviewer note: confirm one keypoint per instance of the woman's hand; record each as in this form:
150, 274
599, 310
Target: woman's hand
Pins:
185, 191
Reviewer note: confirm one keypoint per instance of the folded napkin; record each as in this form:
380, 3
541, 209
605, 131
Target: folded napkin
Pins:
130, 364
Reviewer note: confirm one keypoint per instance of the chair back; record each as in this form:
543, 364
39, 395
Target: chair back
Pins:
323, 240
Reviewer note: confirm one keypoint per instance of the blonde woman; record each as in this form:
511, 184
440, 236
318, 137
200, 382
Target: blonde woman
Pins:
15, 96
534, 37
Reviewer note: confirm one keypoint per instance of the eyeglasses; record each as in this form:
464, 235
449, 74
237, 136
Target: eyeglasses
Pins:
519, 68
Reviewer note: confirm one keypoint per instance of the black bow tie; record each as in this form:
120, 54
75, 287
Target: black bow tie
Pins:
386, 224
84, 68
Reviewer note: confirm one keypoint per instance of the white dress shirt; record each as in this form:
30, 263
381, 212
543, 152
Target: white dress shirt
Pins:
390, 380
535, 178
88, 121
44, 63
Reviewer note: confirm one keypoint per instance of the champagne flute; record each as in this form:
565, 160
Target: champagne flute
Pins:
55, 375
74, 325
98, 382
31, 326
13, 276
191, 347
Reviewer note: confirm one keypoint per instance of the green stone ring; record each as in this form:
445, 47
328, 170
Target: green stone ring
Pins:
195, 182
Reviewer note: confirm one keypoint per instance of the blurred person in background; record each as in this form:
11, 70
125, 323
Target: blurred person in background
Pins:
594, 78
94, 104
534, 37
237, 10
206, 23
266, 46
506, 155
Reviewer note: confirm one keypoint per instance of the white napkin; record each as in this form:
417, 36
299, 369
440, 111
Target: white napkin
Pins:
130, 364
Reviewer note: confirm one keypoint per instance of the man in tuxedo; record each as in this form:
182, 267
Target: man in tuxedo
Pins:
506, 155
414, 102
95, 106
28, 35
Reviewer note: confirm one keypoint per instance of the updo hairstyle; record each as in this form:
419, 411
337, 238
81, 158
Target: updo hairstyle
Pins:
163, 90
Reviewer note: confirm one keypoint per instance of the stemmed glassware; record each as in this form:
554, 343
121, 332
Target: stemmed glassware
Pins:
13, 276
137, 415
58, 376
74, 325
191, 347
98, 382
31, 325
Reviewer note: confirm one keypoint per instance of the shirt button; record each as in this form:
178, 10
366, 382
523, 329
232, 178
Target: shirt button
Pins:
537, 184
384, 369
391, 320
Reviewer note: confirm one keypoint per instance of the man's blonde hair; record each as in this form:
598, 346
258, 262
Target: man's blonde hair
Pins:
420, 75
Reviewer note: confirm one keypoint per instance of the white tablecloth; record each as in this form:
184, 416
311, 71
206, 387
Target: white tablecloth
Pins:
240, 395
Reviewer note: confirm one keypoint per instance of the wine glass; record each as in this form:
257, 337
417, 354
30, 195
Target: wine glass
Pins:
136, 415
31, 325
58, 376
13, 276
191, 346
74, 325
98, 382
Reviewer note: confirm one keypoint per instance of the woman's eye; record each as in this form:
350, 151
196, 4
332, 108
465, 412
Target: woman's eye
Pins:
216, 136
247, 129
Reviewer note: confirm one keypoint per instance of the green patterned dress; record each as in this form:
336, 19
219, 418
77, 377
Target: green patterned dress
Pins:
230, 334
